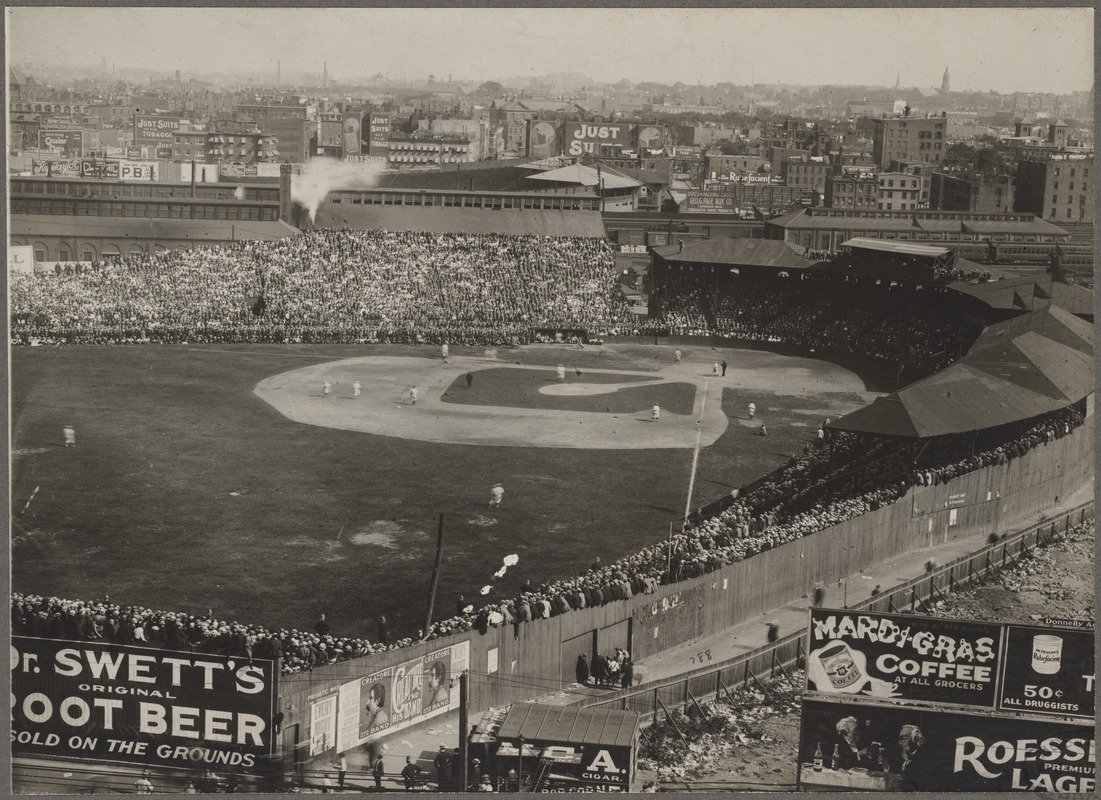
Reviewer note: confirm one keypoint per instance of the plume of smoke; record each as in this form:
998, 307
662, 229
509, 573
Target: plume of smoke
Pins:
323, 175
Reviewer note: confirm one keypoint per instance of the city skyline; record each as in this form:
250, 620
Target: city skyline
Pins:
785, 46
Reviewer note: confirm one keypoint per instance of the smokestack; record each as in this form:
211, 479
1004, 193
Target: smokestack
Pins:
193, 171
285, 192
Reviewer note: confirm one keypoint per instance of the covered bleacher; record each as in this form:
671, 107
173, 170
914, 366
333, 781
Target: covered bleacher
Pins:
1017, 369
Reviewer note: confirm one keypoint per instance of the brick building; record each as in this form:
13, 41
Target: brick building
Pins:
909, 140
1058, 188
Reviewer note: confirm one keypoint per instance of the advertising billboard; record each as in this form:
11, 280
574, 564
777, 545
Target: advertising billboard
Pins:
99, 168
399, 696
587, 768
322, 723
62, 167
1048, 671
63, 142
111, 702
20, 258
138, 170
710, 202
849, 746
150, 129
544, 138
651, 137
910, 658
238, 170
352, 134
376, 133
586, 137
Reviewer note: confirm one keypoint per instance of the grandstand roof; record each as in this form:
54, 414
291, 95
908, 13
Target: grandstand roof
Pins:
75, 227
586, 176
1074, 298
445, 219
898, 248
946, 221
1013, 294
1017, 369
731, 252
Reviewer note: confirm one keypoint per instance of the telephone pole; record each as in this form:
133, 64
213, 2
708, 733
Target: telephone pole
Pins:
464, 745
435, 579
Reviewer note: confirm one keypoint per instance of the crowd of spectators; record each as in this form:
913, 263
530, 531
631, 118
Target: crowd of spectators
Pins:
328, 285
831, 482
887, 323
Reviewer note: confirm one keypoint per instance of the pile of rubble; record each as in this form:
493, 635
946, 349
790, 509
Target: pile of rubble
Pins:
691, 745
1053, 580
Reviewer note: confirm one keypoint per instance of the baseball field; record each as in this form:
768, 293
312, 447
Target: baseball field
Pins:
224, 478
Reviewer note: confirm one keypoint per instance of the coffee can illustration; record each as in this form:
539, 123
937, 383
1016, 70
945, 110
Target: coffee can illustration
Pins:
841, 669
1047, 653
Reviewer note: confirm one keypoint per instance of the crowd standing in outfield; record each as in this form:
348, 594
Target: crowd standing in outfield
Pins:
828, 484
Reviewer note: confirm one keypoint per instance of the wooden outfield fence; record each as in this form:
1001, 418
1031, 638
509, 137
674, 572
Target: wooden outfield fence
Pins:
704, 685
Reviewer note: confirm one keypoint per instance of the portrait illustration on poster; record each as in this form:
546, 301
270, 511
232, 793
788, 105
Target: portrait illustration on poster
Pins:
437, 693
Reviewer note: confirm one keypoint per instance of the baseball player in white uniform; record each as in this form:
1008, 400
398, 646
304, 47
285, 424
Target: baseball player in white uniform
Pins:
356, 388
561, 373
655, 412
497, 494
413, 395
752, 410
326, 388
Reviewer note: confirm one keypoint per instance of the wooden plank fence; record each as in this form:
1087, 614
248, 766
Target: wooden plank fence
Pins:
708, 684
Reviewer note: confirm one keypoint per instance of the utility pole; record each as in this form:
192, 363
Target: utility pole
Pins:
464, 745
520, 778
435, 579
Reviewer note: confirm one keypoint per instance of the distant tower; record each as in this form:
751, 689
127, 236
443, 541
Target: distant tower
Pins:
898, 78
945, 85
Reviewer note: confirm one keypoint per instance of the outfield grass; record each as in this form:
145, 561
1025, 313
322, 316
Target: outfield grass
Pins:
188, 492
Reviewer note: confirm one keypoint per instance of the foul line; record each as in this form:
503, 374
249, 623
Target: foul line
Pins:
696, 453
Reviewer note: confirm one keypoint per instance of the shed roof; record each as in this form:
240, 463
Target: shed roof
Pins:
545, 723
586, 176
898, 248
745, 252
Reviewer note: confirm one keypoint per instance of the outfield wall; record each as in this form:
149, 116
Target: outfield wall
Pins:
536, 658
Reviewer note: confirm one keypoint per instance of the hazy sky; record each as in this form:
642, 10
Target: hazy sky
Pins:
1003, 49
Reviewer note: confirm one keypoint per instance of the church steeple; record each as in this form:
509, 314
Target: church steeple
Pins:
945, 85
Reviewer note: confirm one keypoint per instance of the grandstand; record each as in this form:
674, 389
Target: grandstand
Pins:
988, 389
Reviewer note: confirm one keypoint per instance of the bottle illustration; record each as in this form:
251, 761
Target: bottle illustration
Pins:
818, 756
836, 758
841, 669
